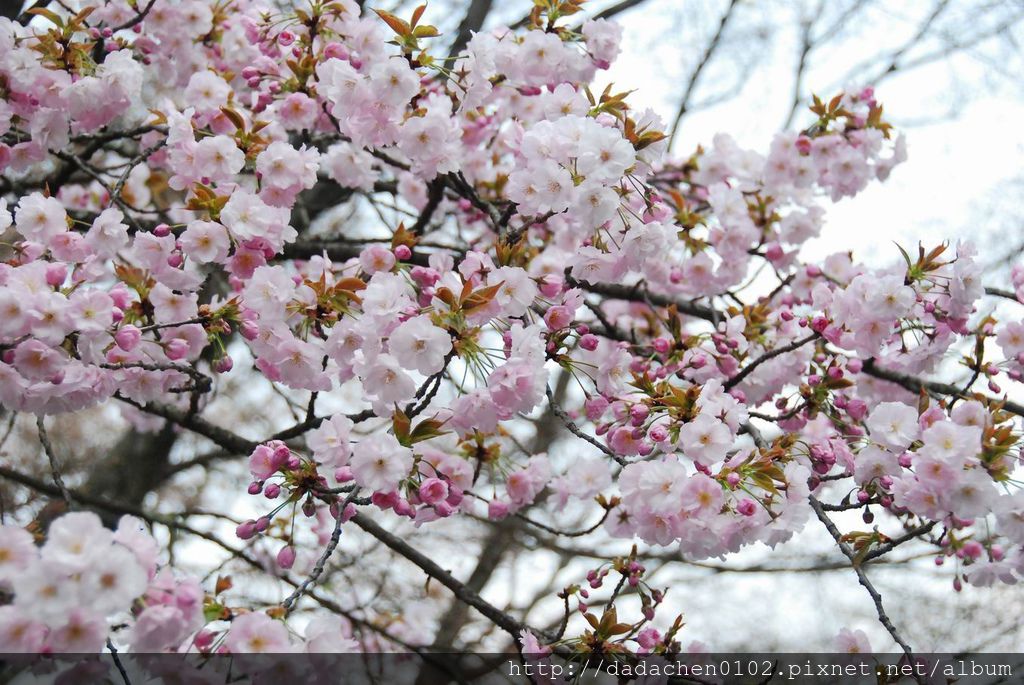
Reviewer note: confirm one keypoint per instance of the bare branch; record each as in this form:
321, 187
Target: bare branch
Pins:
576, 430
472, 21
862, 577
691, 84
458, 588
58, 479
318, 569
778, 351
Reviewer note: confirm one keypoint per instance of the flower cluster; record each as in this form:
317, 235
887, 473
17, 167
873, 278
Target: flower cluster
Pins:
83, 580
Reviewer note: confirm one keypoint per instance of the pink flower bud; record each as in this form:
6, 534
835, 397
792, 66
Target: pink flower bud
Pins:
403, 252
127, 337
176, 349
433, 490
558, 317
224, 364
589, 342
455, 495
639, 413
595, 407
551, 286
384, 500
272, 491
246, 530
203, 639
497, 510
286, 557
857, 409
443, 509
121, 296
747, 507
658, 433
56, 273
281, 454
161, 230
973, 549
335, 51
309, 508
403, 508
249, 329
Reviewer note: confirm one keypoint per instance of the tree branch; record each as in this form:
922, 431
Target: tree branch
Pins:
428, 566
472, 21
691, 84
862, 577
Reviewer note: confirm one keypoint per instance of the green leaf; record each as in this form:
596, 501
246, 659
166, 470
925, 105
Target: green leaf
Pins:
426, 31
431, 428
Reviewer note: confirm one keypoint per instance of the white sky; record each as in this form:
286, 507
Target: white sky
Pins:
955, 163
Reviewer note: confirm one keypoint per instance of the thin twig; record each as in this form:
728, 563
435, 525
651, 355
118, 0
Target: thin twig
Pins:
749, 368
862, 577
321, 563
58, 479
501, 619
117, 662
575, 430
691, 85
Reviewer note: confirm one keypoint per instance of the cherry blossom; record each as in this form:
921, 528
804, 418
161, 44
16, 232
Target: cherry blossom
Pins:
189, 186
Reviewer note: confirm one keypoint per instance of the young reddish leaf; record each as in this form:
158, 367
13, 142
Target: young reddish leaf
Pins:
402, 425
481, 298
224, 584
234, 117
416, 14
397, 25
